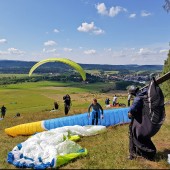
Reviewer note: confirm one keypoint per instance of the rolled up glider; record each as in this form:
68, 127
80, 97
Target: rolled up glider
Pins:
62, 60
53, 148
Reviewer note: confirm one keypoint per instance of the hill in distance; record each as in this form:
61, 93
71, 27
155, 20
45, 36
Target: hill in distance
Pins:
23, 67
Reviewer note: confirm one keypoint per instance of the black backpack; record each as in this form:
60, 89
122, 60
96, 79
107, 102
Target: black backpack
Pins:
154, 103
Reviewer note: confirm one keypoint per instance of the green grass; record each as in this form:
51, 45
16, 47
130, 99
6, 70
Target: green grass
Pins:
111, 72
108, 150
92, 71
13, 75
17, 75
35, 97
98, 72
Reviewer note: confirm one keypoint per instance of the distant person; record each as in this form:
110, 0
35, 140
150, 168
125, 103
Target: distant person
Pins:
129, 98
114, 100
17, 115
97, 111
107, 101
67, 103
3, 111
56, 106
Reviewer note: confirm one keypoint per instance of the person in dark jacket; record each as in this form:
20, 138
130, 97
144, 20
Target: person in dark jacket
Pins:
3, 111
107, 101
97, 111
67, 103
141, 129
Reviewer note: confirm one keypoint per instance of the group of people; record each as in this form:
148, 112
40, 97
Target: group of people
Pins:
115, 98
97, 110
145, 120
147, 114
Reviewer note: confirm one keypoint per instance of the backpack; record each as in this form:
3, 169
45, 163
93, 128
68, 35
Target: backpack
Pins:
154, 103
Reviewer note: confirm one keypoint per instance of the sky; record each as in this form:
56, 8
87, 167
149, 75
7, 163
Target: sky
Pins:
85, 31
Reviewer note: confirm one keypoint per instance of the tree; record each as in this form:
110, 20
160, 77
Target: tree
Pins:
166, 85
166, 6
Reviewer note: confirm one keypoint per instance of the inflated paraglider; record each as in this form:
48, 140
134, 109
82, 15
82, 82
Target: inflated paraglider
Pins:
111, 117
62, 60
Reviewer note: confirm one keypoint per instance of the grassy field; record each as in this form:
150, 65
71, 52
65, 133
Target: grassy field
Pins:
98, 72
109, 150
16, 75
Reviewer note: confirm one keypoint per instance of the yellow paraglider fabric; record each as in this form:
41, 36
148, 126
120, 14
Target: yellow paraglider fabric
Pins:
62, 60
63, 159
25, 129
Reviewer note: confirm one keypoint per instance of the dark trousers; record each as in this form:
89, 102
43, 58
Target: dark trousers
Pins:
66, 109
2, 114
128, 103
95, 119
140, 133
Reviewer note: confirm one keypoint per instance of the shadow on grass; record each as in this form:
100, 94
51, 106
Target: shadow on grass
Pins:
162, 155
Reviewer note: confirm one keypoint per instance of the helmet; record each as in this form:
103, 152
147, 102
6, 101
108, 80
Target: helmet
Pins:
133, 90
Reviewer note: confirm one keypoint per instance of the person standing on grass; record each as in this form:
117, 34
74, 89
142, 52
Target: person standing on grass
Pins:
3, 111
67, 103
97, 111
114, 100
147, 114
107, 101
56, 105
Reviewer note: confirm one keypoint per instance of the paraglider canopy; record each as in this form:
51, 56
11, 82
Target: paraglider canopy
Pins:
62, 60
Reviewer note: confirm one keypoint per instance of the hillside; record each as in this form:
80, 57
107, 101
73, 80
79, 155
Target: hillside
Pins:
105, 151
11, 66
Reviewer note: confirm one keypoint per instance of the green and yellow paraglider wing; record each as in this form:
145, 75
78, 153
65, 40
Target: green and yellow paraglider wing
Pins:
62, 60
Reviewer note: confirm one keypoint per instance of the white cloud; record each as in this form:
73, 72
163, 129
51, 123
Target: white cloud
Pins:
90, 52
15, 51
49, 50
108, 49
3, 41
112, 12
145, 51
50, 43
56, 30
133, 15
116, 10
85, 27
98, 31
101, 9
68, 49
4, 52
12, 51
164, 51
145, 14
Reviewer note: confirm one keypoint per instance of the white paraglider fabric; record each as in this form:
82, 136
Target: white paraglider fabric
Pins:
40, 151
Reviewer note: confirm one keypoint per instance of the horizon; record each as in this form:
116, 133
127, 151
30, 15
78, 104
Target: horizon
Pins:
87, 63
86, 31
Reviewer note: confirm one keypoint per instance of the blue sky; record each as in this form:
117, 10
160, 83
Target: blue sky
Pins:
85, 31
